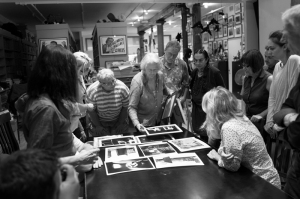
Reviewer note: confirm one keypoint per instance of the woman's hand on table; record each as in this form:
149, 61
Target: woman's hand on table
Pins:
213, 154
88, 156
141, 128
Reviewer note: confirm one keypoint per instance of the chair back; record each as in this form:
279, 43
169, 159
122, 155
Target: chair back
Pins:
8, 142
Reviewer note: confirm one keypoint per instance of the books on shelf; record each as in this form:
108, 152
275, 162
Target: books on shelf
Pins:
188, 144
177, 160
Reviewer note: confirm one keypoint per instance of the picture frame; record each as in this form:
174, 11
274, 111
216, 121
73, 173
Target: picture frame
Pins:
120, 153
220, 17
108, 64
230, 32
225, 31
216, 35
238, 31
210, 46
220, 31
230, 20
216, 15
113, 45
177, 160
168, 106
220, 42
211, 37
237, 8
58, 41
231, 10
237, 18
225, 44
188, 144
215, 45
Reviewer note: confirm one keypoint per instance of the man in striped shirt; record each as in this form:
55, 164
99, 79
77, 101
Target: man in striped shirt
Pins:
110, 98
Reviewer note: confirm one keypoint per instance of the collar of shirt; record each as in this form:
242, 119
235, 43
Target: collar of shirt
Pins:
166, 65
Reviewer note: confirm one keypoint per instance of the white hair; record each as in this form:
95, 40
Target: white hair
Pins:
82, 59
292, 16
174, 44
105, 74
150, 58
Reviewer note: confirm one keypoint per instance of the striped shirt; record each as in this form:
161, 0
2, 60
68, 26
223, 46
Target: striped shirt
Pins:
108, 104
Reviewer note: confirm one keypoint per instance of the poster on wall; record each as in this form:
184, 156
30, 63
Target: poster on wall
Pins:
113, 45
238, 30
211, 37
237, 18
54, 41
230, 32
225, 44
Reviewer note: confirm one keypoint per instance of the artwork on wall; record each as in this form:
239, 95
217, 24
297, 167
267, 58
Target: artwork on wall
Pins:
215, 15
220, 31
230, 20
238, 30
237, 18
220, 43
215, 45
220, 17
54, 41
225, 44
113, 45
230, 32
216, 35
210, 46
231, 10
237, 8
109, 64
225, 31
211, 37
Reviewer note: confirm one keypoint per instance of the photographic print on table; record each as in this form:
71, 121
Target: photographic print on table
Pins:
211, 37
157, 138
225, 44
188, 144
157, 149
120, 153
237, 8
225, 31
109, 64
164, 129
177, 160
230, 20
238, 30
125, 140
230, 32
220, 31
128, 165
113, 45
54, 41
97, 139
237, 18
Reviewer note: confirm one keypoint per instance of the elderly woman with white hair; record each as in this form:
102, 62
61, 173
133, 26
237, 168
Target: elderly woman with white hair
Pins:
146, 93
110, 98
241, 142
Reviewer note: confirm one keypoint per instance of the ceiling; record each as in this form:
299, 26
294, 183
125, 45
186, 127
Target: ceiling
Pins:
82, 17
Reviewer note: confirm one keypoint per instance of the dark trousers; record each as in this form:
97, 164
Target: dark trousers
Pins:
292, 186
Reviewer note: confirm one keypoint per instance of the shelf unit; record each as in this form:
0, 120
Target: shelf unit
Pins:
16, 56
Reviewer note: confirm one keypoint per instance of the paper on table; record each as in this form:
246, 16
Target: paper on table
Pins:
122, 67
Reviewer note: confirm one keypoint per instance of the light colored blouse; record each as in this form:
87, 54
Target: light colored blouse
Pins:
144, 104
284, 79
242, 143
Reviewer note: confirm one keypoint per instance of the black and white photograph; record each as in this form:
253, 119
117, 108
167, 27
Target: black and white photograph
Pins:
113, 45
189, 144
225, 31
157, 149
237, 8
220, 31
120, 153
215, 45
164, 129
230, 32
168, 106
238, 30
177, 160
220, 43
128, 165
156, 138
97, 139
55, 41
230, 20
225, 44
124, 140
231, 10
237, 18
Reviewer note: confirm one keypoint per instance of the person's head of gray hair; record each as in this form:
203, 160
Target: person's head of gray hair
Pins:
150, 58
82, 59
291, 20
173, 44
105, 74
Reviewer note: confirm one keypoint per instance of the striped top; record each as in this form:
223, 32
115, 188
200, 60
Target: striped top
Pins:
108, 104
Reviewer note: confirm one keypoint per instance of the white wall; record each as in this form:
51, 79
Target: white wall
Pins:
233, 48
270, 18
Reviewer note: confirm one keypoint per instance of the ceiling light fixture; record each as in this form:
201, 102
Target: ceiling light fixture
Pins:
170, 22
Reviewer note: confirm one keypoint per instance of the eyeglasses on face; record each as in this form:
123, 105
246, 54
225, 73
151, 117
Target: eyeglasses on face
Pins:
198, 61
112, 83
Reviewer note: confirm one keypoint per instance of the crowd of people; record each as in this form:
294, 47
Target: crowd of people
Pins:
57, 100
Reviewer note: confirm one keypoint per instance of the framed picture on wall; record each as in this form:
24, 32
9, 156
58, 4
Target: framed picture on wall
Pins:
220, 17
238, 30
54, 41
210, 47
109, 64
231, 10
225, 44
220, 43
230, 32
237, 18
113, 45
216, 35
216, 15
220, 31
215, 45
230, 20
225, 31
237, 8
211, 37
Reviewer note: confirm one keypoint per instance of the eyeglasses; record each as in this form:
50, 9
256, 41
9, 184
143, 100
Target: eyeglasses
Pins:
169, 54
112, 83
245, 65
198, 61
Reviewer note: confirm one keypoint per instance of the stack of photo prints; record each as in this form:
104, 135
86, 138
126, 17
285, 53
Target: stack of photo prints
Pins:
122, 154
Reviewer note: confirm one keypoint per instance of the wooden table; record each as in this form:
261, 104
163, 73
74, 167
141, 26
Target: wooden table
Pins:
205, 182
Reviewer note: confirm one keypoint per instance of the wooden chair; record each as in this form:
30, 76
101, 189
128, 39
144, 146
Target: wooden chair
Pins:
8, 141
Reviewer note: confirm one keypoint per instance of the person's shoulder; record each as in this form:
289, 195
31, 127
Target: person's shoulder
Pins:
181, 62
120, 85
214, 69
93, 86
138, 77
294, 58
42, 103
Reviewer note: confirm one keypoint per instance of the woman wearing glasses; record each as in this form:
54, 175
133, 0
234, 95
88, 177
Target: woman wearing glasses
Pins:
146, 93
255, 88
110, 98
204, 78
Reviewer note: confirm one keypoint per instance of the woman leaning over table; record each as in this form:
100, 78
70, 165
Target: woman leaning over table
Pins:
146, 93
50, 110
285, 76
255, 88
204, 78
241, 142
